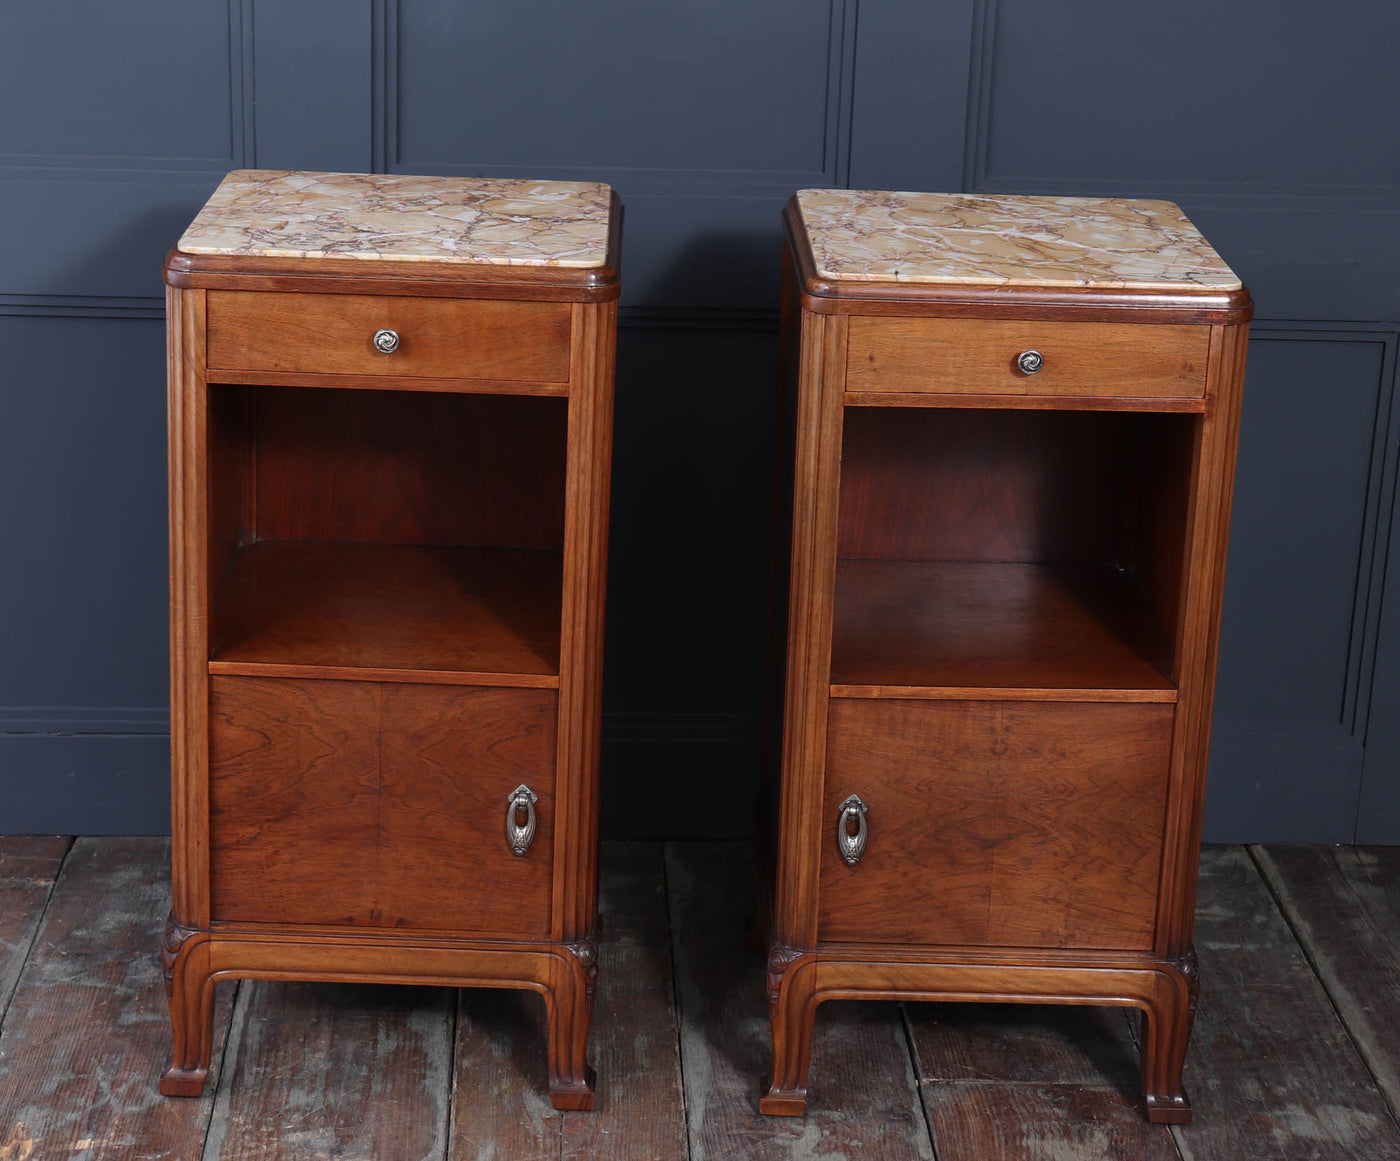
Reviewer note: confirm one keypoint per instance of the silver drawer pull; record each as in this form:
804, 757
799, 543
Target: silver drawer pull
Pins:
851, 846
386, 341
1030, 362
520, 835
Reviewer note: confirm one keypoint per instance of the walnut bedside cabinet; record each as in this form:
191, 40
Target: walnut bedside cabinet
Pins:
390, 438
1010, 439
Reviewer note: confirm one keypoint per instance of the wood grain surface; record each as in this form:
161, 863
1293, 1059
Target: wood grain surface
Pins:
86, 1034
332, 333
865, 1101
1272, 1071
978, 357
29, 864
329, 1071
351, 1071
499, 1106
990, 626
381, 805
994, 485
462, 613
396, 467
1014, 1082
1344, 906
1014, 824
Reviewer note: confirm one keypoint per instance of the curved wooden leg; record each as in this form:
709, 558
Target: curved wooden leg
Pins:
1166, 1030
570, 1005
792, 1004
191, 996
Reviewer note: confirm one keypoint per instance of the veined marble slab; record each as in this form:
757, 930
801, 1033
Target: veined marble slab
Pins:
1004, 240
511, 222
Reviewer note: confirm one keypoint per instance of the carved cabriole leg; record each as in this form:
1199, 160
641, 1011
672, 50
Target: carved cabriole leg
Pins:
570, 1004
1166, 1030
185, 959
792, 1004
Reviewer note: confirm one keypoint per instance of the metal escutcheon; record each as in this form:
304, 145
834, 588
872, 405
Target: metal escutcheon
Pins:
386, 341
851, 846
1030, 362
520, 835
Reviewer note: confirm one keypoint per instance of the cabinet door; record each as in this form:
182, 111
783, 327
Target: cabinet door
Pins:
379, 804
1009, 824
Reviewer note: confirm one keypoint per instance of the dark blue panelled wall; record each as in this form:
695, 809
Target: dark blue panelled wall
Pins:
1273, 122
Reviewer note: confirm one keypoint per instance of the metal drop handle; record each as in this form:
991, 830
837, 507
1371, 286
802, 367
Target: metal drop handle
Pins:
386, 341
1030, 362
520, 835
851, 846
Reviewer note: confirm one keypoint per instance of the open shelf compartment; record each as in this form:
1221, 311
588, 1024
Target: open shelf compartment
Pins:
1032, 554
386, 535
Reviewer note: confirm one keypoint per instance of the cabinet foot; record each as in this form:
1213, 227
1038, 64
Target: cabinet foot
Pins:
792, 1006
1168, 1110
185, 963
570, 1004
574, 1096
1166, 1029
183, 1082
777, 1103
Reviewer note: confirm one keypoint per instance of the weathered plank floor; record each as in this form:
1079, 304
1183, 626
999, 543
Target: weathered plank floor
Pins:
1296, 1053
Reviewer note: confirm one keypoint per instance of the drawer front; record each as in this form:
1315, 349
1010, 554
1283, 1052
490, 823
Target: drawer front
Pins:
379, 804
979, 356
1006, 824
454, 338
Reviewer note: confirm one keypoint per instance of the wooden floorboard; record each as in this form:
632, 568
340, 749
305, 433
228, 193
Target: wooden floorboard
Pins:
87, 1032
1271, 1071
1344, 906
501, 1100
28, 867
1007, 1082
863, 1099
317, 1072
1293, 1057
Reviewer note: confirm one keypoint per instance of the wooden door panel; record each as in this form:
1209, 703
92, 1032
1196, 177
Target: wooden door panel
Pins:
293, 778
1012, 824
378, 804
449, 759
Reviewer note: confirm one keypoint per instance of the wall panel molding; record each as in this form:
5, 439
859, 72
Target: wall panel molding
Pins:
840, 18
1310, 539
979, 175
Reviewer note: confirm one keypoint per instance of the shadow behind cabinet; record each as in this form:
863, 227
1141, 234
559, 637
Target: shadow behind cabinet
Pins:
1010, 473
389, 481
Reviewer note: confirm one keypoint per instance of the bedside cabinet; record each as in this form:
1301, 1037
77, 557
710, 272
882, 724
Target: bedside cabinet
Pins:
1009, 444
390, 437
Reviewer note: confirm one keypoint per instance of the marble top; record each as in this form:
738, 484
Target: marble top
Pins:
497, 222
1004, 240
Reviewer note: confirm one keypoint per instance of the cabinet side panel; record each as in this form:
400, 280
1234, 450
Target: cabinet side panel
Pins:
1208, 525
588, 480
189, 606
816, 481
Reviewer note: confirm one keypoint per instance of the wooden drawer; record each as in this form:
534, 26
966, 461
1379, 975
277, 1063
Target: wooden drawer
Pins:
979, 356
378, 804
1009, 824
453, 338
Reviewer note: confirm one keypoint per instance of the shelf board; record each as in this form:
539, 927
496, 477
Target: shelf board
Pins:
385, 612
954, 629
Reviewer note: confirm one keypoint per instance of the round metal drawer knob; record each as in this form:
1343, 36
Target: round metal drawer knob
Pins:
1030, 362
386, 341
